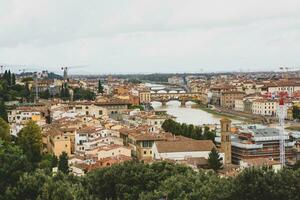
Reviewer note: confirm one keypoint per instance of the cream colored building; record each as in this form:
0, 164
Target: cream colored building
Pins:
113, 151
266, 107
88, 109
145, 96
19, 117
239, 105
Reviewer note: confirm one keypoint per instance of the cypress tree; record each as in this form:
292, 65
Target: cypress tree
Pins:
63, 165
13, 79
214, 160
3, 112
100, 87
9, 78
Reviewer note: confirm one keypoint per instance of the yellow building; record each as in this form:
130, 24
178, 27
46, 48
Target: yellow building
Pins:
145, 96
57, 142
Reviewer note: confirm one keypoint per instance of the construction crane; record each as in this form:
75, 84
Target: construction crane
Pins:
36, 76
281, 116
2, 67
66, 69
285, 74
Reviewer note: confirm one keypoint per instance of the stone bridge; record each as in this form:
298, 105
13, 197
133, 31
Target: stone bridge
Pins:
182, 97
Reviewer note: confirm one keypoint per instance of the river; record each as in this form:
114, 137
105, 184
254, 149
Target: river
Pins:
188, 114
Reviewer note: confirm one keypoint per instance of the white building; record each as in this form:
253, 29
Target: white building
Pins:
239, 105
266, 107
180, 150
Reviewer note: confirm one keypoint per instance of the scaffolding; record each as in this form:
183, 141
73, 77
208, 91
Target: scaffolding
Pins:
281, 116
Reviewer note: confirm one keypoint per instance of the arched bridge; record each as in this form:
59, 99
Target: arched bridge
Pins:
182, 97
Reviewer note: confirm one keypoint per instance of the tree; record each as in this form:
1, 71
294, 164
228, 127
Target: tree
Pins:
214, 160
208, 135
296, 112
30, 140
13, 163
54, 161
8, 79
63, 164
45, 94
4, 130
296, 165
83, 94
3, 112
48, 162
40, 186
100, 87
13, 79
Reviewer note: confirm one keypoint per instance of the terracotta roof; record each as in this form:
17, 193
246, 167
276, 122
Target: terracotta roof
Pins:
89, 130
184, 146
53, 132
260, 162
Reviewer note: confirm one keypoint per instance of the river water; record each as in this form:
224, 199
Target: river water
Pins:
188, 114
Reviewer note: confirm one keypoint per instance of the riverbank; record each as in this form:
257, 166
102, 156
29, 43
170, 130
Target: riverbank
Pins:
293, 128
223, 114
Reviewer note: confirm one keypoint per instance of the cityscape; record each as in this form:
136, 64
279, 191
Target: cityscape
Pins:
112, 131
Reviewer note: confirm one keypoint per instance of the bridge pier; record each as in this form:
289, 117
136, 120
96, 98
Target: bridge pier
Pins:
182, 103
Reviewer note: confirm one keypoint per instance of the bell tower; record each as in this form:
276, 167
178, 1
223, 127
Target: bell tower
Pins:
226, 139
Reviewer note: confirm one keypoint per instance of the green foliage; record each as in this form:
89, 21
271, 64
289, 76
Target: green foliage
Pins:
13, 163
27, 79
40, 186
100, 87
191, 186
13, 79
296, 112
4, 130
129, 180
3, 112
83, 94
136, 107
30, 141
48, 162
190, 131
214, 160
45, 94
134, 81
64, 92
256, 184
296, 165
9, 90
63, 165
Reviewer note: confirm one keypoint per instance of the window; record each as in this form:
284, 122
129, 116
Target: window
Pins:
145, 152
66, 145
150, 152
100, 112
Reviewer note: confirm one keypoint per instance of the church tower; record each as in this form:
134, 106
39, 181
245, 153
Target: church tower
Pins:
226, 139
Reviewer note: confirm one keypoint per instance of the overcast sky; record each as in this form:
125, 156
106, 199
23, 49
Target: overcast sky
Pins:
151, 36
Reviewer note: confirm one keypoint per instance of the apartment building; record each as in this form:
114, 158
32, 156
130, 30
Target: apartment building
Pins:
228, 98
57, 142
266, 107
145, 96
252, 142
